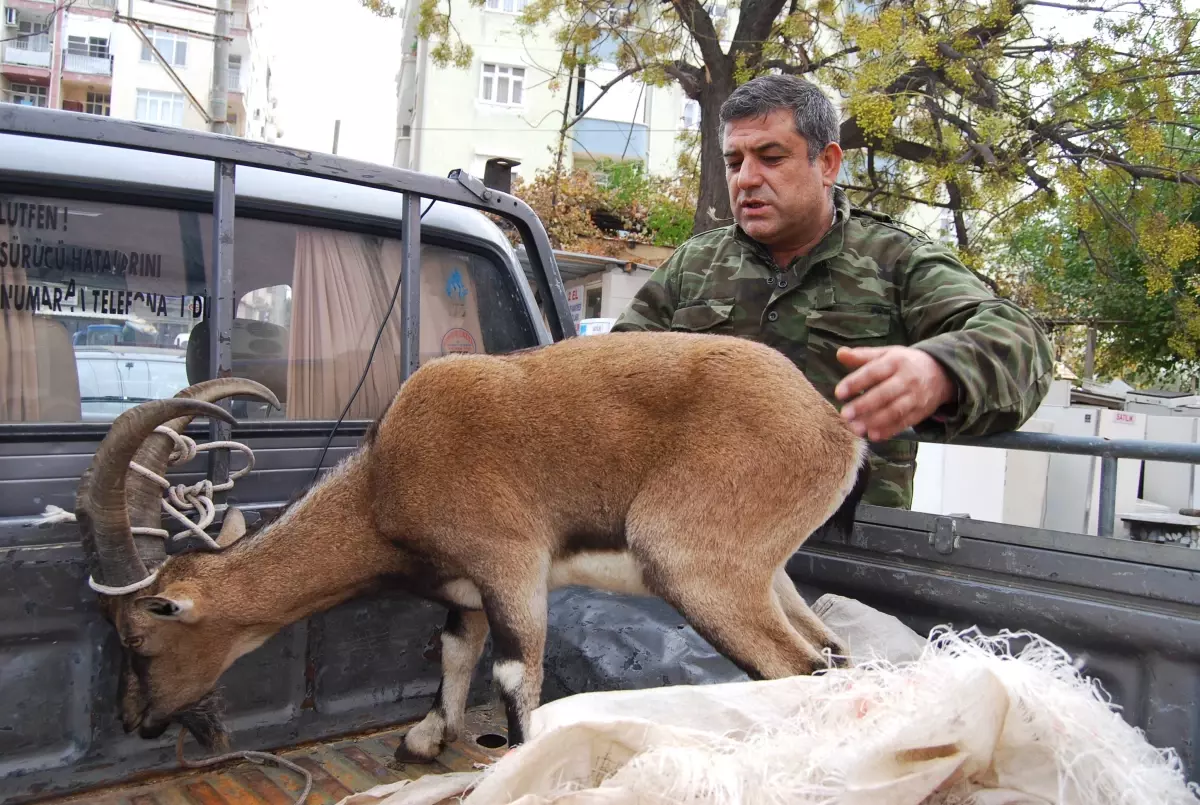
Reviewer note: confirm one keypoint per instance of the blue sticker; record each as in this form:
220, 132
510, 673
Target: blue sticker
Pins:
455, 287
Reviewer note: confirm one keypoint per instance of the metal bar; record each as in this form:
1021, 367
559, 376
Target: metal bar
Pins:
82, 127
220, 313
410, 285
1107, 515
1073, 445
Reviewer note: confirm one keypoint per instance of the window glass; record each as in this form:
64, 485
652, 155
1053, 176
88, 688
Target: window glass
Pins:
120, 293
93, 298
310, 301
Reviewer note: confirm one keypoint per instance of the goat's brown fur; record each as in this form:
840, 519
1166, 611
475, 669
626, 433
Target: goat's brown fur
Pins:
685, 466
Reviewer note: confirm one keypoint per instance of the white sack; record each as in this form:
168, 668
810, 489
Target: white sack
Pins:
964, 723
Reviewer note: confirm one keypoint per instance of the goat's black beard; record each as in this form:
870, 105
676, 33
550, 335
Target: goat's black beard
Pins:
203, 721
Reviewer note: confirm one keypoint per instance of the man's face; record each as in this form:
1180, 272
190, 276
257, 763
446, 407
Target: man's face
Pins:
776, 194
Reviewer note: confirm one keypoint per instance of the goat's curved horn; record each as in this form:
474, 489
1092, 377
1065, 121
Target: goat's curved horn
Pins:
100, 503
142, 493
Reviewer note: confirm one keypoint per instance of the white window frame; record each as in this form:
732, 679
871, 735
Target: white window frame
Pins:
493, 72
161, 39
98, 103
235, 72
684, 123
157, 99
35, 92
513, 7
96, 47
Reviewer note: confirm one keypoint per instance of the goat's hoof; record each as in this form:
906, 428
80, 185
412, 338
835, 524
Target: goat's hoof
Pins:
405, 755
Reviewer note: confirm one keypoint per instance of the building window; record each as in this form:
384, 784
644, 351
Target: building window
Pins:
507, 6
235, 73
691, 114
163, 108
93, 46
502, 84
98, 103
172, 46
593, 298
28, 94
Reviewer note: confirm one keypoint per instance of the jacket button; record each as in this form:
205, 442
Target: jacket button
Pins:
770, 280
782, 282
773, 315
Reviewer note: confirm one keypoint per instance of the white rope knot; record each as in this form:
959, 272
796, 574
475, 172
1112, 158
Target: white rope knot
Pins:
195, 497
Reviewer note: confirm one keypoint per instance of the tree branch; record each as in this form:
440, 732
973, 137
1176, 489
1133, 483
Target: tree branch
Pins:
689, 76
756, 21
700, 26
809, 67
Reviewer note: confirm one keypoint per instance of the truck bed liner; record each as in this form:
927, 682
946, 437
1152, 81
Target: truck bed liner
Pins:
339, 768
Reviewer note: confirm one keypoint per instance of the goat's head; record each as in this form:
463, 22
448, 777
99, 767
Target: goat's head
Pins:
171, 646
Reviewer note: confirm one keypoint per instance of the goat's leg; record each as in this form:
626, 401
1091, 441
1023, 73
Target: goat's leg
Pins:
740, 614
517, 613
804, 620
463, 637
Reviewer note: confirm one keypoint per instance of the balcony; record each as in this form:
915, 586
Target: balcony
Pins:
610, 139
28, 51
87, 64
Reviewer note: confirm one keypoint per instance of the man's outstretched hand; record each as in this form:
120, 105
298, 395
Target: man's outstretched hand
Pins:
902, 385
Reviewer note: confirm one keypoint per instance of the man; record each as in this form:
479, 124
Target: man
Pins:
878, 317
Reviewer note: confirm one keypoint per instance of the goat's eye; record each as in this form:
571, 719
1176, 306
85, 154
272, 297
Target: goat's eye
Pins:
135, 642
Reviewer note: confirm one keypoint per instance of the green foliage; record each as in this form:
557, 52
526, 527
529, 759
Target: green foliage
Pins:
1141, 288
644, 208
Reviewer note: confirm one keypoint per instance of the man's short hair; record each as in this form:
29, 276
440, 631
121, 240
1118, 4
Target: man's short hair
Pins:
815, 118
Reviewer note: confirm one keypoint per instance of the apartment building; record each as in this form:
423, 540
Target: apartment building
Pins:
502, 105
137, 60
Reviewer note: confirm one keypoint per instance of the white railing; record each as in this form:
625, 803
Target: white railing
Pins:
28, 51
83, 63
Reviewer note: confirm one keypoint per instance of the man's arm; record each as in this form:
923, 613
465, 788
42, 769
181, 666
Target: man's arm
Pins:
999, 359
654, 304
978, 364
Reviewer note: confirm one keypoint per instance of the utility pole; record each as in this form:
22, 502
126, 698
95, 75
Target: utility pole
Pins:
337, 127
407, 90
1089, 355
219, 102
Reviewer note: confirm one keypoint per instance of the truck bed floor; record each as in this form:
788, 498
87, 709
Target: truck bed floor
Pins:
339, 768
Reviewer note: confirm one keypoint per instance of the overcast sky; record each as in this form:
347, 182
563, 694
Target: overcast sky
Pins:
334, 59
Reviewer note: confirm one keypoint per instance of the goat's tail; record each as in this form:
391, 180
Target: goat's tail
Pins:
840, 525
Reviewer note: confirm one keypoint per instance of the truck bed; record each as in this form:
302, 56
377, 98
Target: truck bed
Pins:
341, 767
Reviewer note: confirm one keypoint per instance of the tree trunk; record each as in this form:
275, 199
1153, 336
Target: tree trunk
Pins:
712, 207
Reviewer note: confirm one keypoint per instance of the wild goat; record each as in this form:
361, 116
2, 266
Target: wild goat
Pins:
685, 466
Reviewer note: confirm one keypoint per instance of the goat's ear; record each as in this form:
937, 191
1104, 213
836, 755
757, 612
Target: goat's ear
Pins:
233, 527
168, 608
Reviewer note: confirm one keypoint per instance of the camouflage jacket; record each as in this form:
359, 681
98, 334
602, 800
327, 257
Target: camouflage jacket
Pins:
869, 282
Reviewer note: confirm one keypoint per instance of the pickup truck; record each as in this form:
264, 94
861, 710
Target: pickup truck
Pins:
295, 255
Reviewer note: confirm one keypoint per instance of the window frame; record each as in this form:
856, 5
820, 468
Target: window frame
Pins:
495, 77
246, 208
146, 55
498, 7
160, 95
24, 92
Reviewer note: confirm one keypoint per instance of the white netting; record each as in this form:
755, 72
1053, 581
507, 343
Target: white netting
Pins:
969, 722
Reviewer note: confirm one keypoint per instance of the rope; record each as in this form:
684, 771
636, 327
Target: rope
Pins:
196, 497
250, 755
